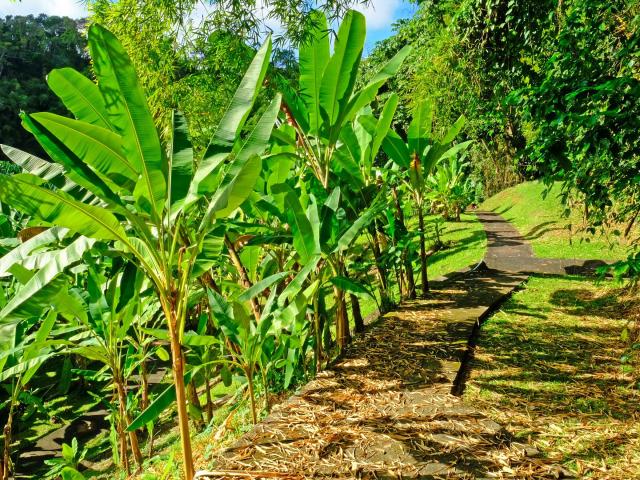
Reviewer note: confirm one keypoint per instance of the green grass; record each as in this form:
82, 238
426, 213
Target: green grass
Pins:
548, 369
466, 244
551, 234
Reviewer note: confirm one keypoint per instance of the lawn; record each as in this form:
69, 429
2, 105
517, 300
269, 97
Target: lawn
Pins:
466, 244
541, 220
548, 368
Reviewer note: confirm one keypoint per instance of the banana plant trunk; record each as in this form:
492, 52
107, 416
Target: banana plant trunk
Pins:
6, 454
377, 256
133, 439
252, 394
242, 273
423, 253
357, 313
181, 400
144, 384
207, 386
195, 402
343, 336
408, 268
317, 323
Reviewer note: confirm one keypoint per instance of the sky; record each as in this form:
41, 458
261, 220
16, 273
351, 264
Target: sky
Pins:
380, 13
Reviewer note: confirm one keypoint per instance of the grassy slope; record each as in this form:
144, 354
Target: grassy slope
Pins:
466, 245
541, 222
548, 369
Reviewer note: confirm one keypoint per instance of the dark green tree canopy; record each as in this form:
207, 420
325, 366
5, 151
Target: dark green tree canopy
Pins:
30, 47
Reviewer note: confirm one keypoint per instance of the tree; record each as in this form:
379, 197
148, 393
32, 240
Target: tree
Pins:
30, 47
584, 116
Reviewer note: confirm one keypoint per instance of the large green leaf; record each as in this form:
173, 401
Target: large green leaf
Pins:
58, 208
258, 140
395, 147
260, 286
363, 220
159, 405
313, 58
96, 146
22, 251
238, 182
204, 181
384, 124
454, 130
246, 94
236, 185
419, 132
294, 105
303, 237
181, 159
351, 286
43, 277
212, 245
75, 169
365, 96
340, 74
24, 366
80, 95
294, 287
51, 172
129, 114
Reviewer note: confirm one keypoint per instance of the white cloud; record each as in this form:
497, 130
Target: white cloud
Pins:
63, 8
381, 13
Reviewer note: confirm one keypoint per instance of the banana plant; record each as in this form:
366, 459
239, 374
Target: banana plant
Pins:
154, 204
113, 306
356, 155
33, 285
327, 100
417, 158
322, 238
245, 338
450, 189
25, 347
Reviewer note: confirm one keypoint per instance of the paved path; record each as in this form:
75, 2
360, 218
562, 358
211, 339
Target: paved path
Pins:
508, 251
387, 409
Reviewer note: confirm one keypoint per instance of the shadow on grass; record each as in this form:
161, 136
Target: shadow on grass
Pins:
557, 359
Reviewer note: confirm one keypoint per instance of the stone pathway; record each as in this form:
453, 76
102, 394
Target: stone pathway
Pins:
84, 428
387, 409
508, 251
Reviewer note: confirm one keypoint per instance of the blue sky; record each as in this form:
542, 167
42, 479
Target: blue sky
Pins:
380, 13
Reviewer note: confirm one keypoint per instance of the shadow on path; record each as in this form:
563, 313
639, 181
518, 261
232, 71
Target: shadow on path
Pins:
508, 251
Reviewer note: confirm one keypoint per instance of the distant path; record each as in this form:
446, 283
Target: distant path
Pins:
387, 409
85, 427
508, 251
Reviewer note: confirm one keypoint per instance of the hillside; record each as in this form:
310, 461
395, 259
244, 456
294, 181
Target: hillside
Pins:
542, 221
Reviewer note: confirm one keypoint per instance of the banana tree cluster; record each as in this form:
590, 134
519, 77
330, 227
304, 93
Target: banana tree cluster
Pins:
242, 262
417, 157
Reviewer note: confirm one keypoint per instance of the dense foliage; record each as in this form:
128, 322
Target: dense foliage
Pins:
30, 47
550, 90
222, 208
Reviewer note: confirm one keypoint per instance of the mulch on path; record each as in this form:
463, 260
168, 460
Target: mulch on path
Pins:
386, 409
